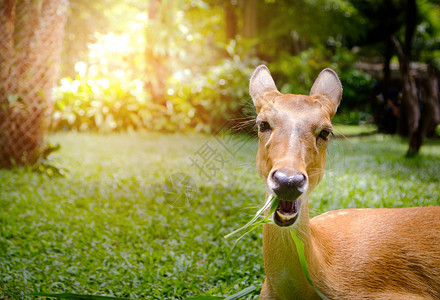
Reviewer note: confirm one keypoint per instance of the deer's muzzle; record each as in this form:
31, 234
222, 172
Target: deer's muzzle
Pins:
288, 187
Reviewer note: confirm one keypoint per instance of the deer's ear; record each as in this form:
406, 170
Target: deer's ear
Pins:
261, 83
328, 84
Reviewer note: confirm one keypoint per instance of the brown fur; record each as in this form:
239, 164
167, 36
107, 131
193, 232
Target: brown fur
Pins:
351, 253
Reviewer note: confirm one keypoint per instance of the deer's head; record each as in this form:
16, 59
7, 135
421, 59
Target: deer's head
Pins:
293, 133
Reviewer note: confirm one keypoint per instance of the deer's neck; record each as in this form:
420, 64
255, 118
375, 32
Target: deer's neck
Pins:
284, 275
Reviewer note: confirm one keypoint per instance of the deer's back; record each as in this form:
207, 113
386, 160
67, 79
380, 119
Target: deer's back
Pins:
379, 252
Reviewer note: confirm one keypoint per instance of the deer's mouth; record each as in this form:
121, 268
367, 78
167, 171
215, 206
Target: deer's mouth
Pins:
286, 213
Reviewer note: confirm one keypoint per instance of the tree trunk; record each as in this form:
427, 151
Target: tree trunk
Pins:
7, 17
156, 68
231, 22
431, 110
250, 12
31, 35
410, 101
386, 65
430, 116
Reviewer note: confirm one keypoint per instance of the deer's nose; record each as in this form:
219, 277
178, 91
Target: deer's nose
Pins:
288, 186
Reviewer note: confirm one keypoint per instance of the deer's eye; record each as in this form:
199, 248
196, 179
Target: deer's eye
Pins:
263, 126
324, 134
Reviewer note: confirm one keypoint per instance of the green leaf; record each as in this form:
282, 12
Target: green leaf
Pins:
242, 293
236, 296
302, 259
74, 296
204, 298
271, 201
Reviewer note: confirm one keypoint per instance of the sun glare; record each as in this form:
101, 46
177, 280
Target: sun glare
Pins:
110, 43
142, 17
81, 68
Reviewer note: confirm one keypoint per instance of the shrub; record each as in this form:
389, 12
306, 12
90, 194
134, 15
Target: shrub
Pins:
102, 104
207, 101
357, 89
201, 102
296, 74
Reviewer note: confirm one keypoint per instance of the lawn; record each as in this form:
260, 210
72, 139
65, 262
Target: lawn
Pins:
117, 223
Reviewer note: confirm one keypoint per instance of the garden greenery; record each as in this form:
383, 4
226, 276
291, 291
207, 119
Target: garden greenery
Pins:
105, 228
185, 65
201, 102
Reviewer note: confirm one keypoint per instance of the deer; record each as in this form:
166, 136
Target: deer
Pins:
358, 253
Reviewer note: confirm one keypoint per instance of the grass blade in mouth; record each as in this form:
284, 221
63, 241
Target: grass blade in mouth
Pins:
253, 224
303, 262
271, 201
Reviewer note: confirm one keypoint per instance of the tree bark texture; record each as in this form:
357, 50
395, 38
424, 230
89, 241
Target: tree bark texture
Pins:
31, 33
250, 13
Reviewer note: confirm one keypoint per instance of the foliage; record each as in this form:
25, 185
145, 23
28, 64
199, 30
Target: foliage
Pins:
236, 296
426, 39
357, 89
353, 117
104, 103
87, 21
287, 25
208, 100
297, 74
129, 62
105, 228
190, 68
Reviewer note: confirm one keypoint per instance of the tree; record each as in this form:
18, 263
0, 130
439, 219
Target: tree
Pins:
231, 21
30, 42
250, 11
378, 28
157, 50
418, 124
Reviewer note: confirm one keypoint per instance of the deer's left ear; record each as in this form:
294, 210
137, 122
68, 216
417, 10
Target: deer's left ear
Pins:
328, 84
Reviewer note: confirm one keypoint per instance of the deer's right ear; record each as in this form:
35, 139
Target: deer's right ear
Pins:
261, 83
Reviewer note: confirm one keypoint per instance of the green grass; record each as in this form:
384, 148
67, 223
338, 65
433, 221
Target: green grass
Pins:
350, 130
107, 228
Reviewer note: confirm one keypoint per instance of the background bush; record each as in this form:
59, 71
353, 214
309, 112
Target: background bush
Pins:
196, 57
201, 102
